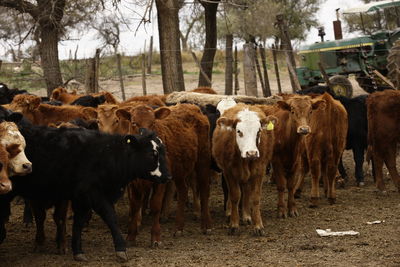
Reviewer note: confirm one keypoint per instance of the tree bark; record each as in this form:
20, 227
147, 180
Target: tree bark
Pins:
210, 47
49, 58
170, 48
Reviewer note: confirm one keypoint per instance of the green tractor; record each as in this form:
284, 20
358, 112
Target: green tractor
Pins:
359, 56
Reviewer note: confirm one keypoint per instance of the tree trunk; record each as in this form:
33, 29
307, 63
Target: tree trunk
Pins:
170, 48
49, 58
210, 47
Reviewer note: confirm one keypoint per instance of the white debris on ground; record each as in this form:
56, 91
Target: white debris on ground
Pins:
328, 232
375, 222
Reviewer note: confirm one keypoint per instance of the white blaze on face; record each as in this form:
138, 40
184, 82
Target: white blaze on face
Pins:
225, 104
246, 133
156, 172
19, 165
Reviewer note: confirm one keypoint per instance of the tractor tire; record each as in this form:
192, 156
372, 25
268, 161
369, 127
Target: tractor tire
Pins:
341, 86
393, 65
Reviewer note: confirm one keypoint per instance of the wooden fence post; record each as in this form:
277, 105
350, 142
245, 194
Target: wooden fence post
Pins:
236, 71
121, 79
92, 73
249, 70
228, 65
259, 71
266, 78
150, 56
278, 79
144, 74
201, 69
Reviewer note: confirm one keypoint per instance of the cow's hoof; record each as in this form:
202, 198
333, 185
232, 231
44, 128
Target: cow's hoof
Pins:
207, 231
38, 248
332, 200
282, 214
28, 224
293, 213
80, 257
297, 194
61, 251
233, 231
361, 184
156, 244
131, 243
178, 233
246, 221
258, 232
122, 256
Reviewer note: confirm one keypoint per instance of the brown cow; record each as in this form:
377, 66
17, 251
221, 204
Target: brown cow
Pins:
204, 90
185, 132
153, 100
293, 115
43, 114
242, 146
62, 95
384, 134
5, 183
325, 144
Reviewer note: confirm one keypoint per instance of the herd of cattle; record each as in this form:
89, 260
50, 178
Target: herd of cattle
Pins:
84, 151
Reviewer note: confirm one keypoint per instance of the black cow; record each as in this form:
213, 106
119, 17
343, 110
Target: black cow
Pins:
357, 129
87, 167
89, 101
7, 95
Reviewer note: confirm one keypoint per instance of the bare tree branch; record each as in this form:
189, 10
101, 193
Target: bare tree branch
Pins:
22, 6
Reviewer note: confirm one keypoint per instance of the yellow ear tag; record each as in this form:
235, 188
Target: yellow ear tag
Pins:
128, 141
270, 126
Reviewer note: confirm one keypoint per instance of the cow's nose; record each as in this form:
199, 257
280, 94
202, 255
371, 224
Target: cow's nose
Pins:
27, 167
303, 130
5, 187
252, 154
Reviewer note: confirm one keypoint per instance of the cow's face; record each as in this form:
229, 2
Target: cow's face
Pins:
5, 183
143, 116
248, 127
152, 162
25, 104
14, 142
301, 108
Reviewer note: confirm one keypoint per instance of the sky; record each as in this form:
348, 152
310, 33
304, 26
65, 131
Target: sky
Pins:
133, 42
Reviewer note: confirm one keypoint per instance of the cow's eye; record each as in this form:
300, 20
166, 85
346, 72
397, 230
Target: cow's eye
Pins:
239, 133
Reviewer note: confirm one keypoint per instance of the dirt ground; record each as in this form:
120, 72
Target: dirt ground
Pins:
288, 242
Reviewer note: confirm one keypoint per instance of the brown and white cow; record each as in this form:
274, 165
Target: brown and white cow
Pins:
14, 142
383, 109
325, 144
294, 115
242, 146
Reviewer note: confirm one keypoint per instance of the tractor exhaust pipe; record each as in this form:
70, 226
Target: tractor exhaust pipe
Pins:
337, 26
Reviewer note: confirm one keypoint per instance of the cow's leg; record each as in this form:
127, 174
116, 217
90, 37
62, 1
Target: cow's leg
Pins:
245, 201
255, 197
203, 184
342, 172
315, 169
234, 196
28, 217
4, 214
155, 207
81, 211
135, 196
170, 191
358, 155
291, 186
225, 191
182, 190
280, 179
60, 217
331, 179
107, 212
39, 213
378, 165
390, 161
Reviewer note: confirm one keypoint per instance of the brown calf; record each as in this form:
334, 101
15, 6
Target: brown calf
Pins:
242, 146
62, 95
383, 109
204, 90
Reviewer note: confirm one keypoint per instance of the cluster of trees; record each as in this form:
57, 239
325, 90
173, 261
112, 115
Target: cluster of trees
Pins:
45, 22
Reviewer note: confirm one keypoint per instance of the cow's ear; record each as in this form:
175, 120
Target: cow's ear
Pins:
269, 122
162, 113
74, 92
131, 140
15, 117
123, 114
90, 113
225, 122
283, 105
34, 104
319, 104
